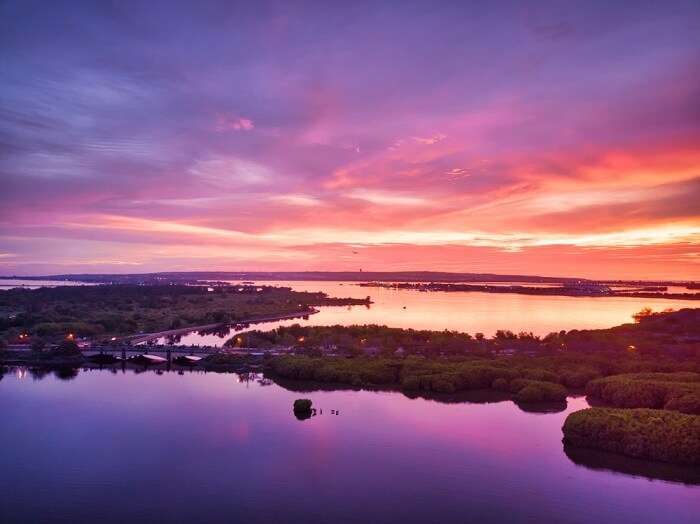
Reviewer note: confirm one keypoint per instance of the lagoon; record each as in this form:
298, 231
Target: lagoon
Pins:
470, 312
205, 447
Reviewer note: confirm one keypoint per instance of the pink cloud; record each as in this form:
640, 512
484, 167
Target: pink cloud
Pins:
227, 123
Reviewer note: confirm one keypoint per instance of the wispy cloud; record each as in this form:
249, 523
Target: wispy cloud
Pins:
297, 200
386, 198
228, 172
227, 123
430, 140
261, 141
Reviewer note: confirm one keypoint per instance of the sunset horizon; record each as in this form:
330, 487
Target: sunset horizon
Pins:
560, 141
311, 262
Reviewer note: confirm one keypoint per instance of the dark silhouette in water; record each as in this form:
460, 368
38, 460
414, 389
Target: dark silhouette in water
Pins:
542, 407
302, 409
302, 415
39, 373
478, 396
66, 373
606, 461
103, 358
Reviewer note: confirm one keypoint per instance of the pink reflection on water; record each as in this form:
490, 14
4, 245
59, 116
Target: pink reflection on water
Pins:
470, 312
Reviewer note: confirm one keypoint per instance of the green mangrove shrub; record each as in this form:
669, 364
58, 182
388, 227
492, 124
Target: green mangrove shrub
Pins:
672, 391
652, 434
302, 405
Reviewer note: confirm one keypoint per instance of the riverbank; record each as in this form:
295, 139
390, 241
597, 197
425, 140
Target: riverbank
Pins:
106, 312
568, 289
141, 338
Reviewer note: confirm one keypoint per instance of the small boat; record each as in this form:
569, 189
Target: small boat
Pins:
148, 359
187, 359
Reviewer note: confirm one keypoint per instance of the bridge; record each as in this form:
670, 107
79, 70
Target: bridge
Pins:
168, 351
140, 338
175, 350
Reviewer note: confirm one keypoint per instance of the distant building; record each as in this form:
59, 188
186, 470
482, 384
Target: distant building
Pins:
587, 287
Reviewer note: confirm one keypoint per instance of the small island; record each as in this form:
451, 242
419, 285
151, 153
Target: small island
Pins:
568, 288
105, 312
650, 434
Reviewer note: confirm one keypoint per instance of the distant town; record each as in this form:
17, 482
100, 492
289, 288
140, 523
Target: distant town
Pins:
571, 288
415, 280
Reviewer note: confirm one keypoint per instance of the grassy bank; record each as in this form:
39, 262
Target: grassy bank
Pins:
659, 336
651, 434
529, 384
672, 391
96, 311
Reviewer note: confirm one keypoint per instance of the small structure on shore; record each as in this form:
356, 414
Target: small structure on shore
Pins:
148, 359
187, 360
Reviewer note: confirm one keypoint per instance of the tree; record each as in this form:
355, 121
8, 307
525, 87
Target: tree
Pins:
67, 348
645, 313
302, 404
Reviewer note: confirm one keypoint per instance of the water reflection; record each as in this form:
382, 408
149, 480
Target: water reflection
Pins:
296, 386
302, 415
469, 312
66, 373
299, 386
591, 459
542, 407
221, 333
605, 461
388, 458
37, 373
482, 396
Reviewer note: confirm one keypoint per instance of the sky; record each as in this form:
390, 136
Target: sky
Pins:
551, 138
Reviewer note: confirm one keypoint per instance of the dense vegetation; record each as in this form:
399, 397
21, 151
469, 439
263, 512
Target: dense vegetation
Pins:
223, 362
672, 391
302, 405
662, 435
128, 309
531, 379
661, 335
355, 339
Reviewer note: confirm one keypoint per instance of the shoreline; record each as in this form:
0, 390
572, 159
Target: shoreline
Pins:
145, 337
562, 291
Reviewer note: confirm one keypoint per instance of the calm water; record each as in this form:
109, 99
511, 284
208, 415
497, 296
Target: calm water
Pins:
470, 312
7, 283
130, 447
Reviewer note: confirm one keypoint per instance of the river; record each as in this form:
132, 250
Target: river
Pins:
145, 447
470, 312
